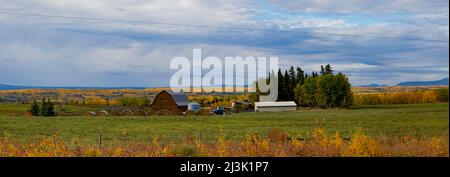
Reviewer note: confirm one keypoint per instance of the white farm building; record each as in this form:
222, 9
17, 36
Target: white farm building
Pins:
275, 106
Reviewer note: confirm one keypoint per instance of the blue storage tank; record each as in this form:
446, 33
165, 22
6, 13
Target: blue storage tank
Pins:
193, 106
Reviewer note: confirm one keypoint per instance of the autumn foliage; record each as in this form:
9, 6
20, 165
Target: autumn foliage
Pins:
428, 96
275, 144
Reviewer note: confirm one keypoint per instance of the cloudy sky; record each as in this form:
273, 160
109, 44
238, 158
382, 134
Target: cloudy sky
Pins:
131, 42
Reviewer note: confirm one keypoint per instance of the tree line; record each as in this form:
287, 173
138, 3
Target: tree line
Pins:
324, 89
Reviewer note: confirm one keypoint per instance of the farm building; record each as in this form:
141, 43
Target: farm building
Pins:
169, 102
275, 106
240, 104
195, 107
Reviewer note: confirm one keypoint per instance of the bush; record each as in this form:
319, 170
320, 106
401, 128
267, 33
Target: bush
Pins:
95, 100
306, 93
133, 101
428, 96
186, 151
442, 95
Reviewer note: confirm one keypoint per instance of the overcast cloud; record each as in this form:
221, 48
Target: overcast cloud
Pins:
46, 51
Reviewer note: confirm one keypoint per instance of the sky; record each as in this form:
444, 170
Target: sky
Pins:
371, 41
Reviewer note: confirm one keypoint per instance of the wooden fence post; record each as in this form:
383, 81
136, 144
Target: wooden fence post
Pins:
99, 140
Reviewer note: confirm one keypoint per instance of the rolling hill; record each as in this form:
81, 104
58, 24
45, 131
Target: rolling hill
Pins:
15, 87
424, 83
10, 87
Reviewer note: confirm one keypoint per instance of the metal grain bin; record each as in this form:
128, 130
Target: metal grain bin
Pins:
195, 107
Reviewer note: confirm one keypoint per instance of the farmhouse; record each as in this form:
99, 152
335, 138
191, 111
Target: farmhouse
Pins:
275, 106
169, 102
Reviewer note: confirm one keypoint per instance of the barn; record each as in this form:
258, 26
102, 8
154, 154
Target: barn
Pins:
169, 102
275, 106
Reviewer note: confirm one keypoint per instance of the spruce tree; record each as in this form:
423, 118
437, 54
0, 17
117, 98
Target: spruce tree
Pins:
326, 70
292, 83
51, 109
47, 108
34, 109
300, 76
280, 85
43, 108
287, 87
322, 70
292, 77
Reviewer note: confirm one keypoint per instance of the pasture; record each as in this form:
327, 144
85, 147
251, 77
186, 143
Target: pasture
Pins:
379, 121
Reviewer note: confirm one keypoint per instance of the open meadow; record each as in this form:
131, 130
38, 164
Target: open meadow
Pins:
384, 123
416, 120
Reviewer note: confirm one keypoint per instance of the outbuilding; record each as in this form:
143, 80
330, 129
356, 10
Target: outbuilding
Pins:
275, 106
195, 107
170, 102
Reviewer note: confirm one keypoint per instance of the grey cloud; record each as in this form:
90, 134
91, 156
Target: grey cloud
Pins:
364, 6
51, 52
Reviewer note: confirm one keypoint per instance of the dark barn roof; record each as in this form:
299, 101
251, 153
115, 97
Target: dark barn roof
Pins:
180, 98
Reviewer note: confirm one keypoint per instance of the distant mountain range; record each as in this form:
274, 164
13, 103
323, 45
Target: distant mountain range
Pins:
424, 83
409, 83
443, 81
15, 87
372, 85
10, 87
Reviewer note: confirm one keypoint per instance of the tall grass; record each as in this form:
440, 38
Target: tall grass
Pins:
275, 144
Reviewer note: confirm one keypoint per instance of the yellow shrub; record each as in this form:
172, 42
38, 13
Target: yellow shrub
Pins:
428, 96
362, 146
320, 144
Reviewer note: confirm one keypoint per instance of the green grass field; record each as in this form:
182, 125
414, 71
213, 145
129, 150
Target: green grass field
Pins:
418, 120
21, 109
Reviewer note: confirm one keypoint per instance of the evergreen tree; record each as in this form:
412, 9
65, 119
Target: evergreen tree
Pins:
51, 109
280, 85
292, 77
300, 78
292, 83
43, 108
326, 70
287, 87
322, 70
47, 108
34, 109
